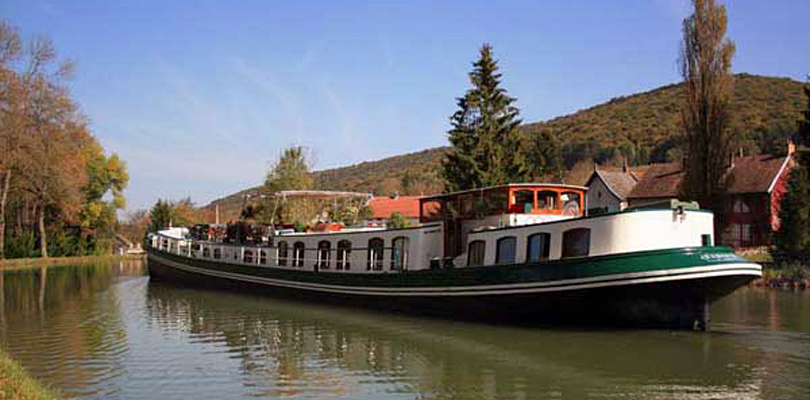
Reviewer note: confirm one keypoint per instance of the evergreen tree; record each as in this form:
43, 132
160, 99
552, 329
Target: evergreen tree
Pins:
160, 216
793, 236
485, 142
545, 156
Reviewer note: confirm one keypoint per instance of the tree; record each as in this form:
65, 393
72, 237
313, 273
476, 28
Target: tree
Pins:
545, 156
290, 172
160, 216
485, 142
10, 48
793, 237
705, 64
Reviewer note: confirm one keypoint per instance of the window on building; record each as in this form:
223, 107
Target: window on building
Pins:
247, 257
505, 252
399, 254
217, 254
298, 254
375, 254
546, 200
576, 242
475, 253
741, 207
281, 258
324, 254
344, 250
538, 247
262, 257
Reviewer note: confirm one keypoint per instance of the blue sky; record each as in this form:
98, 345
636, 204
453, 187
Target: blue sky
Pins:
200, 96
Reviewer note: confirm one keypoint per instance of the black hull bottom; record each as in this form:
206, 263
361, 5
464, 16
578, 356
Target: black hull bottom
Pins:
680, 304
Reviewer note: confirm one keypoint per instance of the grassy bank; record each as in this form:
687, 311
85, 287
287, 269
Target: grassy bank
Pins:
776, 275
16, 384
19, 263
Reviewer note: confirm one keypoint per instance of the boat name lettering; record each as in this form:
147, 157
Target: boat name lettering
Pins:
717, 257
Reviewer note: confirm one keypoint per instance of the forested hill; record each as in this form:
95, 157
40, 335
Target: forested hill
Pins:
644, 127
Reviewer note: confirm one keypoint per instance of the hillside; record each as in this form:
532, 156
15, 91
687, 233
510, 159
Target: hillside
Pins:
644, 127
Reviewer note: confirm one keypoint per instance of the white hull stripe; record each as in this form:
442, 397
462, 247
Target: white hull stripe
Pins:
717, 270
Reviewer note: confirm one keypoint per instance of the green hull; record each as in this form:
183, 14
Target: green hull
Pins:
670, 288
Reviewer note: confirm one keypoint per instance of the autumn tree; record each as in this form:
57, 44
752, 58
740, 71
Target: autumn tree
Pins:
485, 142
705, 64
793, 237
10, 49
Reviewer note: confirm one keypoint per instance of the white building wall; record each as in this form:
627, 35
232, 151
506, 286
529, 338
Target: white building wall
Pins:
599, 196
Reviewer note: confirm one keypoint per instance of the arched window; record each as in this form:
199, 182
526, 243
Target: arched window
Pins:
324, 254
538, 247
344, 250
262, 257
247, 257
399, 254
298, 254
475, 253
217, 253
281, 258
505, 253
576, 242
375, 254
206, 252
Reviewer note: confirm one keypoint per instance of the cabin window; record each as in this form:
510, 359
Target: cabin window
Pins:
281, 258
298, 254
399, 254
217, 254
546, 200
475, 254
375, 254
538, 247
570, 203
324, 254
262, 257
497, 200
523, 200
206, 252
576, 242
344, 250
505, 253
706, 240
247, 257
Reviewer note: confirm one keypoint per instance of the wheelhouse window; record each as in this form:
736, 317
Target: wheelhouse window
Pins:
475, 253
523, 201
247, 257
576, 242
298, 254
375, 254
399, 254
538, 247
571, 203
546, 200
344, 250
505, 252
324, 254
217, 254
281, 258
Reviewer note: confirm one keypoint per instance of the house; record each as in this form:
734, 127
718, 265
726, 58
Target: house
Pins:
608, 188
384, 206
749, 213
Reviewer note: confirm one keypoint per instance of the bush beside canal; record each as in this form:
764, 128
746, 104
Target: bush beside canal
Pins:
16, 384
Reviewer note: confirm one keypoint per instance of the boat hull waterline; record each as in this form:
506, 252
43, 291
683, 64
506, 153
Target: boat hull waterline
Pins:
670, 288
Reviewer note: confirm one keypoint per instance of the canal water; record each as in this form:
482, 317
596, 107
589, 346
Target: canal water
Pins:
107, 332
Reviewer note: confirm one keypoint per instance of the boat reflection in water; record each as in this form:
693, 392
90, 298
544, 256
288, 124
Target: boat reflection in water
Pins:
294, 349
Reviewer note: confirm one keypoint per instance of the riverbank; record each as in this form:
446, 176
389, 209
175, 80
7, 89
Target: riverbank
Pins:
15, 383
20, 263
774, 275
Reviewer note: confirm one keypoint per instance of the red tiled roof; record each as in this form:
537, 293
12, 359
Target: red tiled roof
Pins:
751, 174
383, 207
